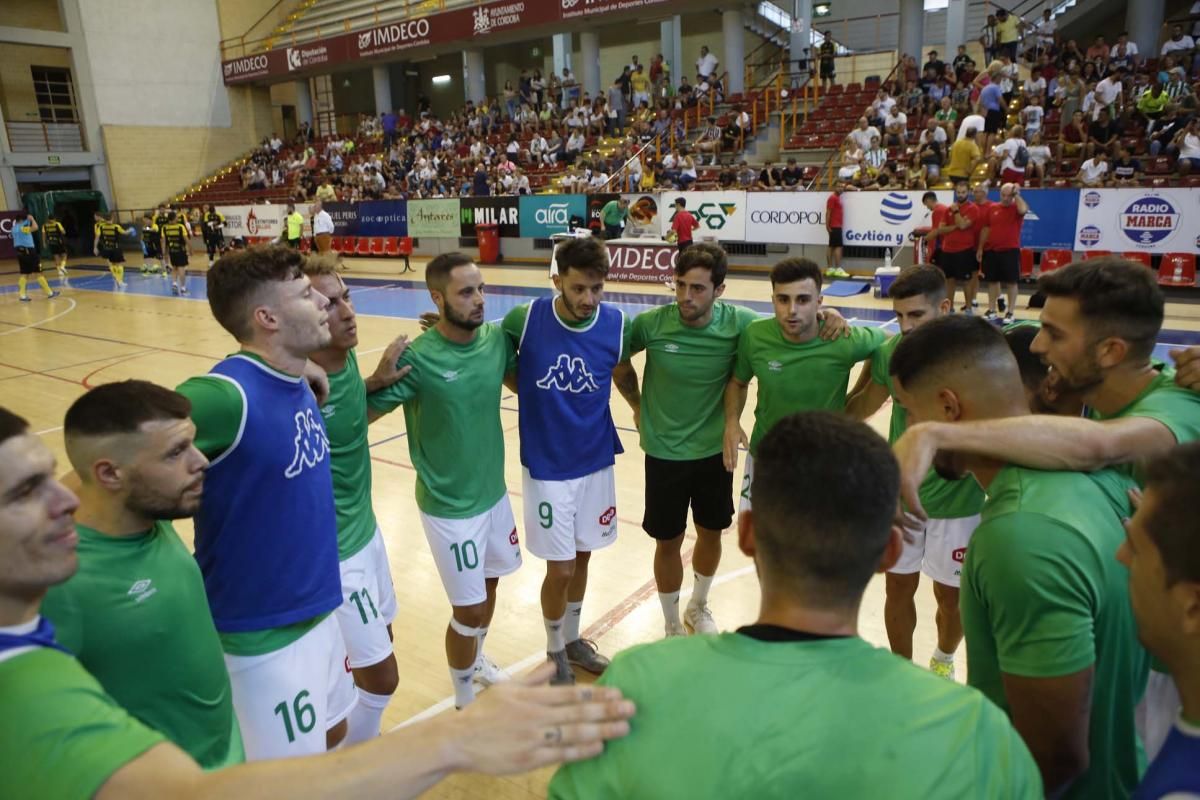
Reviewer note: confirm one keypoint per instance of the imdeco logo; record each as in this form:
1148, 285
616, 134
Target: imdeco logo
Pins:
246, 66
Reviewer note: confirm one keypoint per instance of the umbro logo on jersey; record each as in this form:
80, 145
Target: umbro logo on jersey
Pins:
310, 442
142, 590
451, 375
775, 366
671, 347
568, 374
329, 410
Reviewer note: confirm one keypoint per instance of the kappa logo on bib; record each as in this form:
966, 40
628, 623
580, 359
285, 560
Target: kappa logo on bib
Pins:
568, 374
311, 444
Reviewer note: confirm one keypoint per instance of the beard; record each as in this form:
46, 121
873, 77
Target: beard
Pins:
1083, 378
460, 321
155, 505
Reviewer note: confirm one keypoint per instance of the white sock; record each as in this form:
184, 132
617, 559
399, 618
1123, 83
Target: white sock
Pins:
700, 590
366, 717
670, 607
571, 621
479, 643
554, 635
938, 655
464, 689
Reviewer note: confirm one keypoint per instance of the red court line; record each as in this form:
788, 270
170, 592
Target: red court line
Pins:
29, 372
93, 373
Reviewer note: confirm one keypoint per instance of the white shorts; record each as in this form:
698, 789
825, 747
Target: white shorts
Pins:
286, 700
747, 479
469, 551
938, 548
563, 518
368, 604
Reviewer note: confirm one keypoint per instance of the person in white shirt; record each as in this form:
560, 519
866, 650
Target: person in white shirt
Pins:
1179, 42
1124, 49
896, 126
1045, 29
520, 183
1006, 154
575, 144
933, 132
706, 64
973, 122
598, 181
864, 133
1035, 84
882, 105
537, 146
322, 227
276, 143
1032, 116
1110, 93
1094, 171
633, 175
1188, 142
1039, 156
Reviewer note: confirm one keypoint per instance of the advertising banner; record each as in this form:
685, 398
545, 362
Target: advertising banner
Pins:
543, 215
643, 213
1050, 221
345, 217
786, 217
595, 203
381, 218
1146, 220
640, 263
722, 215
263, 220
884, 219
501, 211
573, 9
7, 218
435, 218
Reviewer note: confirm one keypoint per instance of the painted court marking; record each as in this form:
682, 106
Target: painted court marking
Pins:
41, 322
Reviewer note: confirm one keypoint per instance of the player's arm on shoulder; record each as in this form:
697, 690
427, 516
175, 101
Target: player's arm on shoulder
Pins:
389, 370
1187, 367
833, 324
867, 396
866, 340
217, 410
513, 324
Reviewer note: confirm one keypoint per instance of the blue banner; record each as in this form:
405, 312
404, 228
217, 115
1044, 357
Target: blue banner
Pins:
542, 215
382, 218
1050, 221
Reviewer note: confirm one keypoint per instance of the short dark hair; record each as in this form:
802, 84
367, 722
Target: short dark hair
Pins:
942, 342
585, 254
1117, 297
704, 255
679, 201
11, 425
237, 277
929, 195
822, 525
123, 407
437, 271
1033, 369
795, 269
1175, 480
919, 279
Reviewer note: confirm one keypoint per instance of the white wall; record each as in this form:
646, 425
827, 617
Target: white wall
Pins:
156, 62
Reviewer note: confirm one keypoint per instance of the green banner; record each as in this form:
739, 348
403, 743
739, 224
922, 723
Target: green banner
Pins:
434, 218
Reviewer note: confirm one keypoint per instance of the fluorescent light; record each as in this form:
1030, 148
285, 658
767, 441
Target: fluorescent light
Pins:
439, 79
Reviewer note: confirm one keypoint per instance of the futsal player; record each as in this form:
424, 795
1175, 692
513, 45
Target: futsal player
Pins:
28, 260
108, 246
1162, 553
796, 369
55, 236
797, 704
958, 241
175, 239
1045, 606
151, 247
214, 232
368, 597
451, 400
936, 545
64, 736
567, 348
135, 612
266, 535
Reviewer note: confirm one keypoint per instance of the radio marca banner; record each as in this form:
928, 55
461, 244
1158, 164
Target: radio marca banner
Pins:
1150, 221
722, 215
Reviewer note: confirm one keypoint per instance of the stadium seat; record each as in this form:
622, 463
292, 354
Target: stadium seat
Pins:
305, 245
377, 245
1177, 269
363, 246
1026, 264
1095, 254
1053, 259
1138, 256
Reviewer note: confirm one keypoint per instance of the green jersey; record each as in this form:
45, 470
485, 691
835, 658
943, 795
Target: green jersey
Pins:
842, 719
942, 499
514, 326
61, 736
811, 376
683, 384
612, 213
1043, 596
345, 414
136, 617
451, 402
1162, 400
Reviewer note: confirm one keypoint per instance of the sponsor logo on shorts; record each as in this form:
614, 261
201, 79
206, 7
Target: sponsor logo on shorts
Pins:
512, 537
958, 555
608, 515
347, 665
568, 374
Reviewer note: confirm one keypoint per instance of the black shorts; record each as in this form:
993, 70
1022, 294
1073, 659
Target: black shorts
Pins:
152, 250
113, 256
994, 121
179, 259
58, 249
827, 68
958, 266
28, 261
294, 244
673, 486
1002, 266
835, 237
684, 245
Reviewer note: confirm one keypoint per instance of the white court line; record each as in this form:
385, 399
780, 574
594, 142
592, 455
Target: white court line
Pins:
41, 322
48, 430
536, 658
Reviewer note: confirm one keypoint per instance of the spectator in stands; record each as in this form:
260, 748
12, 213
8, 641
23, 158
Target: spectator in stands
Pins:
1162, 133
931, 150
1039, 156
1177, 87
1093, 173
1008, 34
1071, 55
480, 182
946, 117
1110, 93
657, 70
574, 146
851, 164
895, 126
709, 141
914, 172
1073, 136
1045, 33
727, 177
770, 179
687, 171
1124, 53
1125, 169
1102, 134
1098, 54
1010, 157
875, 157
934, 63
881, 107
1179, 43
570, 87
706, 65
747, 176
913, 99
684, 96
793, 175
1187, 142
864, 133
1032, 115
992, 107
639, 83
624, 80
965, 155
940, 90
633, 174
826, 53
1035, 84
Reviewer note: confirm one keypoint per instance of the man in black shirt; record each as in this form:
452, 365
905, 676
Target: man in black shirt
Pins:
826, 53
1102, 134
792, 174
936, 64
1125, 169
770, 178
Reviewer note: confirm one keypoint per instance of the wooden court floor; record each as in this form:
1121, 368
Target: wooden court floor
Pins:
51, 351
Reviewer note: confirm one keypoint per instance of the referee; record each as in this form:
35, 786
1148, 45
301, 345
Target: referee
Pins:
28, 260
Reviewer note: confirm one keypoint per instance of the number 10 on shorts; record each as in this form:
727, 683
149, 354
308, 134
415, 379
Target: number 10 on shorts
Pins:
466, 556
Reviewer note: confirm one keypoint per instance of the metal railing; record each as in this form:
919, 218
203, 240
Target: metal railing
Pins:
44, 137
623, 171
829, 169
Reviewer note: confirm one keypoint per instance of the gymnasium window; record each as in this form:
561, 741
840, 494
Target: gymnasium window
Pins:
55, 94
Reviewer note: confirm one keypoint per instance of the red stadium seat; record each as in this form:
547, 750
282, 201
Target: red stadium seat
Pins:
1026, 264
305, 245
1053, 259
1140, 257
1095, 254
363, 246
1177, 269
377, 245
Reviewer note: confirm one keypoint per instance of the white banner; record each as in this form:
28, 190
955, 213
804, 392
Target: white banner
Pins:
722, 215
264, 220
786, 217
884, 219
1146, 220
645, 208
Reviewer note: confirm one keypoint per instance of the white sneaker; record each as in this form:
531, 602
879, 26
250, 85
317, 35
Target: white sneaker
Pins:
675, 630
700, 619
488, 673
